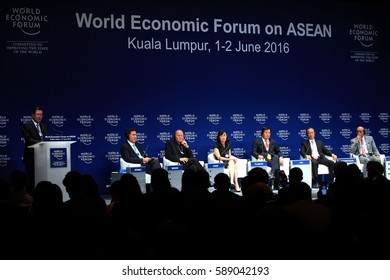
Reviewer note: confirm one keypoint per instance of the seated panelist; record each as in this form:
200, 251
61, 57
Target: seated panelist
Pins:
132, 152
178, 150
222, 151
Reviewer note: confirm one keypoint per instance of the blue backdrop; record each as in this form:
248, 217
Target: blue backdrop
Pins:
97, 69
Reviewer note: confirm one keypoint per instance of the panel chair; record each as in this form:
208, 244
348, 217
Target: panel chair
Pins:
241, 165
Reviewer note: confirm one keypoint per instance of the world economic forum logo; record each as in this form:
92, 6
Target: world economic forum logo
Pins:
364, 33
190, 119
4, 139
85, 120
86, 138
58, 154
4, 159
346, 117
384, 147
112, 138
302, 134
365, 117
304, 117
212, 135
3, 121
239, 152
86, 157
326, 133
26, 19
214, 118
384, 117
139, 120
190, 136
283, 134
346, 133
346, 149
58, 121
285, 150
113, 156
384, 132
112, 120
165, 119
325, 117
260, 118
238, 135
283, 118
164, 136
141, 137
237, 118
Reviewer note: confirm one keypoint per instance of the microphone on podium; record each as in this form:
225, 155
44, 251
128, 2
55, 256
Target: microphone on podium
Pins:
56, 130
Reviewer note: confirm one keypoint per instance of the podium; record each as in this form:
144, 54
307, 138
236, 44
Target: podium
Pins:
140, 174
257, 164
387, 167
52, 160
214, 169
175, 173
305, 166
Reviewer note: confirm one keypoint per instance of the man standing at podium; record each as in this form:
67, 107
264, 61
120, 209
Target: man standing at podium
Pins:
132, 152
33, 132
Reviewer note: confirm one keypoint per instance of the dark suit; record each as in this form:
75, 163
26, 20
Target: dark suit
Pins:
322, 151
128, 154
258, 148
175, 151
31, 137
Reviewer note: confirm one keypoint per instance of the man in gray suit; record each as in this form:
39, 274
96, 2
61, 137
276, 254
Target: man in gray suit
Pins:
364, 147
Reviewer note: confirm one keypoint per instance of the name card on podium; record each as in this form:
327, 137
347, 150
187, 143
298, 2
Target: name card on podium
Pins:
136, 169
348, 160
174, 167
215, 165
257, 163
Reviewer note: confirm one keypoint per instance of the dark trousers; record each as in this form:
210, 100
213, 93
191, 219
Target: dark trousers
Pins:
314, 168
275, 168
193, 163
152, 165
28, 160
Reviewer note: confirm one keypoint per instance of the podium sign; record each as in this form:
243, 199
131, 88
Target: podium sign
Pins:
52, 160
214, 169
58, 157
387, 167
305, 166
348, 161
257, 164
139, 174
175, 173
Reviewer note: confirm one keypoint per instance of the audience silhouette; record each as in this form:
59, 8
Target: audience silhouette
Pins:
346, 222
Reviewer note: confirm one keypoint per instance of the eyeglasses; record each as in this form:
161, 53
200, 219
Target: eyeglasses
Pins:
359, 130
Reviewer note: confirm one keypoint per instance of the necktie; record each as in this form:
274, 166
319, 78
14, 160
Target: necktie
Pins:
266, 144
314, 152
39, 130
136, 151
363, 145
